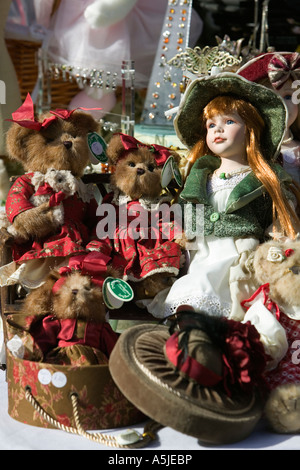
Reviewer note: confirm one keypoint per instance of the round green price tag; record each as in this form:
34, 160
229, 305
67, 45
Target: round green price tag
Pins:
167, 172
170, 170
176, 173
97, 147
116, 292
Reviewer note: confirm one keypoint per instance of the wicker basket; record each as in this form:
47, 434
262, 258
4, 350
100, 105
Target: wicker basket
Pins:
24, 58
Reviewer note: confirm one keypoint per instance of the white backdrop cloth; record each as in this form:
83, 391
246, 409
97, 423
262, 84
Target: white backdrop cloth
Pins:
15, 435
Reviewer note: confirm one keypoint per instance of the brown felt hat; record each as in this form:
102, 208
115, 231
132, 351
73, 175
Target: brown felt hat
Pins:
186, 390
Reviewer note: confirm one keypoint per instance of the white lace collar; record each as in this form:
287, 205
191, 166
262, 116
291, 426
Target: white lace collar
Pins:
149, 204
215, 183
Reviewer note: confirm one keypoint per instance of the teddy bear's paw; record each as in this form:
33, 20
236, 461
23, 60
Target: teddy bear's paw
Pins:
58, 215
37, 222
16, 236
152, 285
283, 409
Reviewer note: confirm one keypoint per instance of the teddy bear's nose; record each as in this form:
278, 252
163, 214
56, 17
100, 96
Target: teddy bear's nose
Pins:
74, 291
140, 171
67, 144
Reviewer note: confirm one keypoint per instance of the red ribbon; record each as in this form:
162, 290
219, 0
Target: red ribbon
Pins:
55, 197
281, 68
190, 366
264, 289
289, 252
24, 115
93, 264
160, 153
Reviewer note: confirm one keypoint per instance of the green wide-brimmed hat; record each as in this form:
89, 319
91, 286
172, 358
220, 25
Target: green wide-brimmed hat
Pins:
201, 91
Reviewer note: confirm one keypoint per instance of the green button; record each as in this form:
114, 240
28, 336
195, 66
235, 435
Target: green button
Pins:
214, 216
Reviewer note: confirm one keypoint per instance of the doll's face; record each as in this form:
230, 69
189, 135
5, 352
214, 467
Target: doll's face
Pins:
226, 135
286, 92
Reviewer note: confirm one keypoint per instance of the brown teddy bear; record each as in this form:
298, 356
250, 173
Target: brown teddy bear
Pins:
141, 243
51, 211
276, 266
68, 315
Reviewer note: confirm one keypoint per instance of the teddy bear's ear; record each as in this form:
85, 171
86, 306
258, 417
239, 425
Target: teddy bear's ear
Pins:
176, 156
267, 262
54, 275
113, 272
85, 122
259, 262
39, 300
115, 149
16, 139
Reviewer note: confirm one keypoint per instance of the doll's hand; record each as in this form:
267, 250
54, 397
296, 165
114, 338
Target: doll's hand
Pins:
37, 222
105, 13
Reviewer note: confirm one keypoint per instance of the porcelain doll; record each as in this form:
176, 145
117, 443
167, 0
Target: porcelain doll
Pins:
280, 71
234, 129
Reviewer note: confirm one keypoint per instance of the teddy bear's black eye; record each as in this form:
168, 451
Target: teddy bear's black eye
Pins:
151, 167
131, 164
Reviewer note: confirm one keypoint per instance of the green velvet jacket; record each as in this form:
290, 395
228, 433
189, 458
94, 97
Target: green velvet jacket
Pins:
248, 210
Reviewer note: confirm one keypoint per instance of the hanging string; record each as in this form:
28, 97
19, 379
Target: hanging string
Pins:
148, 435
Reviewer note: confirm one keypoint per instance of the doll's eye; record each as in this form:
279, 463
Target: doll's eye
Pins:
229, 121
211, 125
131, 164
151, 167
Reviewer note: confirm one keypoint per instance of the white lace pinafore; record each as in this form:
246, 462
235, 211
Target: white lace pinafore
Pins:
215, 281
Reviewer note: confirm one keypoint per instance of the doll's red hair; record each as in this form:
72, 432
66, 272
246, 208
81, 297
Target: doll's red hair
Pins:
262, 170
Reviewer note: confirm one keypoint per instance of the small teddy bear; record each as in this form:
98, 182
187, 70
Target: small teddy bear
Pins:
141, 243
72, 326
55, 146
276, 266
52, 187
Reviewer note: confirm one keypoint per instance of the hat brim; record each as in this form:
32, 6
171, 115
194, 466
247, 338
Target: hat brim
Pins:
201, 91
143, 374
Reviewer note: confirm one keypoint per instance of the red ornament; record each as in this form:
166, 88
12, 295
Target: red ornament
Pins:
289, 252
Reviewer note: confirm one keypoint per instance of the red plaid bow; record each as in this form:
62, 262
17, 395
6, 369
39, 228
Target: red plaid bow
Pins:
160, 153
24, 115
92, 264
55, 198
281, 68
263, 291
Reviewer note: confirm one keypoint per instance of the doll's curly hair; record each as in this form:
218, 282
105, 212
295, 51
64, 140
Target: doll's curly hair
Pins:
254, 127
